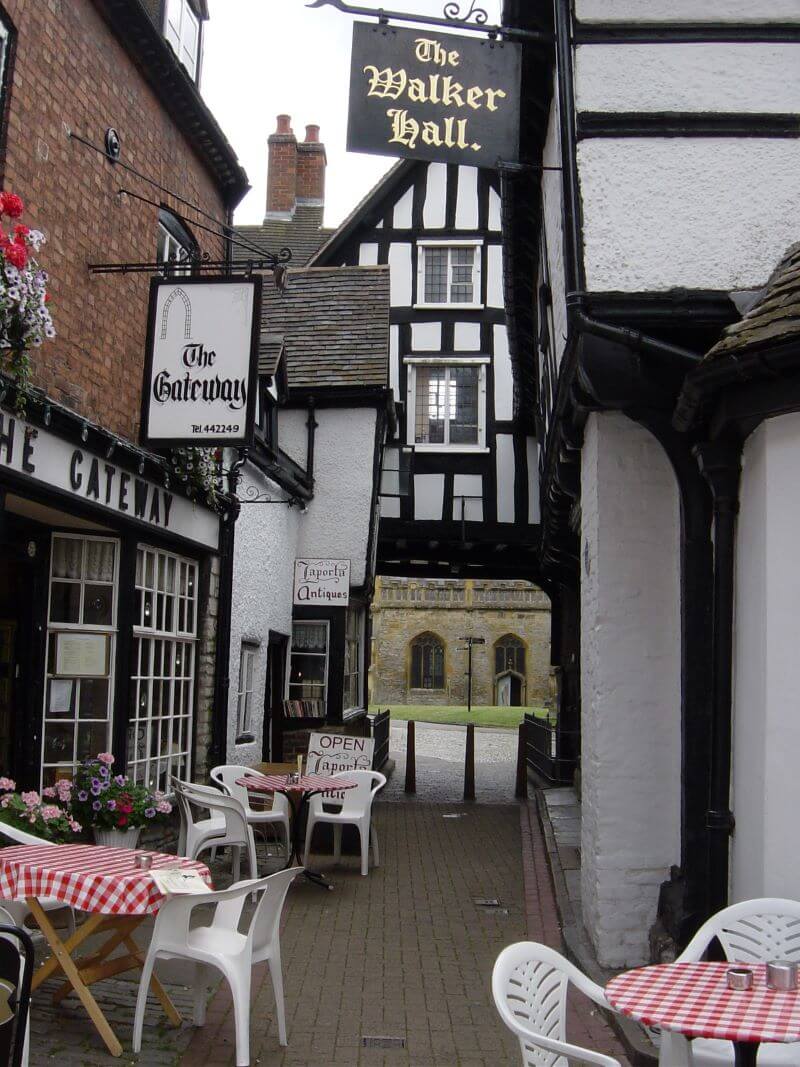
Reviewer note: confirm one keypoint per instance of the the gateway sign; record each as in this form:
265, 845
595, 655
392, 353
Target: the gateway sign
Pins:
200, 377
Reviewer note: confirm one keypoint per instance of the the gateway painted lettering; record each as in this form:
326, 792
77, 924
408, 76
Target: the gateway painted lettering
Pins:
189, 389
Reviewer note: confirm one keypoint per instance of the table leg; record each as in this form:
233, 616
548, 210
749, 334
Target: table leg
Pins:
297, 802
745, 1053
71, 972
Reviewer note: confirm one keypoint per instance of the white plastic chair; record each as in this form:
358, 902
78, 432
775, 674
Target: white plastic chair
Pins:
356, 810
226, 826
277, 816
754, 931
18, 909
221, 946
529, 986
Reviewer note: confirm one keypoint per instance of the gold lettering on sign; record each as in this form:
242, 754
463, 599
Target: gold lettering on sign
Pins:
442, 89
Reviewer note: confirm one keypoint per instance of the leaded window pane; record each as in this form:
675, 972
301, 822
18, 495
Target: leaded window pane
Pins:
436, 269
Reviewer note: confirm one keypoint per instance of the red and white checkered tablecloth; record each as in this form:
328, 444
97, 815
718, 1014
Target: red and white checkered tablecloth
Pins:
309, 783
87, 877
694, 999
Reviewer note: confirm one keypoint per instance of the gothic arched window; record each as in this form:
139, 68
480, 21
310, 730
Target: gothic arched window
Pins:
509, 655
427, 662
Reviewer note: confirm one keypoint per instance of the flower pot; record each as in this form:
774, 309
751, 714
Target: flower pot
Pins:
117, 838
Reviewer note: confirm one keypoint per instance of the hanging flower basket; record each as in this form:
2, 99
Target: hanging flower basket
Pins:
25, 320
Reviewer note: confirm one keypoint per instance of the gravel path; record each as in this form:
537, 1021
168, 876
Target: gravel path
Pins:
440, 763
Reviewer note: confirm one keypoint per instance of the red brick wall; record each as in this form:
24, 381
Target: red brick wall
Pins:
70, 71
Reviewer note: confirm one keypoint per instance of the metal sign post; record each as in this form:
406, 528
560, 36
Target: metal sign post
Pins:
470, 642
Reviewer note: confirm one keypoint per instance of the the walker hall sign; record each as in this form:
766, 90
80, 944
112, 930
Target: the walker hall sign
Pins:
201, 370
426, 95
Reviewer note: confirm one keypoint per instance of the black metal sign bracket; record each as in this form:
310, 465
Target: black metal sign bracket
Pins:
474, 20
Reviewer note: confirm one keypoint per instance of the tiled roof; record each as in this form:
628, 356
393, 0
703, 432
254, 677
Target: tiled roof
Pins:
335, 325
303, 234
270, 347
773, 318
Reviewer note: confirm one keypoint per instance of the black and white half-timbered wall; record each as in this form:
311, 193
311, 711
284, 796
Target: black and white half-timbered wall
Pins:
460, 482
662, 146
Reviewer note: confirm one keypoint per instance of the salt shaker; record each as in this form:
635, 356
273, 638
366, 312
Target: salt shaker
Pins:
143, 861
781, 975
739, 978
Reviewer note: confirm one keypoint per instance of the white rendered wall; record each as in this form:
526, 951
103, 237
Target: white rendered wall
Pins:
688, 77
293, 433
265, 546
503, 376
703, 213
766, 726
630, 679
337, 523
687, 10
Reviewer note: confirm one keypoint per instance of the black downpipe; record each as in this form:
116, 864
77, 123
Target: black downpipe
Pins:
311, 425
720, 464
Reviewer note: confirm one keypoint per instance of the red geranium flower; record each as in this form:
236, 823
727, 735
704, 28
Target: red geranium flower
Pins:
16, 254
21, 230
11, 205
122, 820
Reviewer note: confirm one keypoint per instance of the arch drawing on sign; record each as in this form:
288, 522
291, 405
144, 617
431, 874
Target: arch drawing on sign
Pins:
187, 325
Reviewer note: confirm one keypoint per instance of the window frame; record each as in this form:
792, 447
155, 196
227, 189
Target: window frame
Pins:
248, 655
509, 640
187, 16
356, 613
429, 637
8, 38
172, 229
477, 273
289, 683
412, 362
151, 641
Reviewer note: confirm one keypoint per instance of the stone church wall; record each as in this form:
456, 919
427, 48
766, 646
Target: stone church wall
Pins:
403, 608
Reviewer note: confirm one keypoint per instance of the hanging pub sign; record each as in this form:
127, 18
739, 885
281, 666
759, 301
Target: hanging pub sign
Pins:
436, 96
201, 367
322, 581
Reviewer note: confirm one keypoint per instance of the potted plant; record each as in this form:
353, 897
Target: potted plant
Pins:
47, 816
114, 806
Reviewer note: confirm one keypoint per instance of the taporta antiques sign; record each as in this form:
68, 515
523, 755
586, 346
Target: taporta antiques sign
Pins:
435, 96
201, 369
322, 581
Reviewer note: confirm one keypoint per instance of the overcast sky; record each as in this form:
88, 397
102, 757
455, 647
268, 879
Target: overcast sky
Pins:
266, 57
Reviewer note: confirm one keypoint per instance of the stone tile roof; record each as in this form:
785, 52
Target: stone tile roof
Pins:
304, 234
335, 325
270, 348
773, 318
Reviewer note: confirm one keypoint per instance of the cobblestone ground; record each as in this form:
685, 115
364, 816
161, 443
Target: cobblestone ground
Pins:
440, 763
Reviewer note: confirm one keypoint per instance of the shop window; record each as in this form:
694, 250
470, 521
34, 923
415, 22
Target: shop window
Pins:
182, 31
352, 659
427, 662
509, 655
449, 274
246, 693
447, 404
81, 636
164, 656
308, 670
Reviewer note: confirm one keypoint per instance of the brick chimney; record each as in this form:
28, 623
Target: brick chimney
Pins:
311, 163
282, 174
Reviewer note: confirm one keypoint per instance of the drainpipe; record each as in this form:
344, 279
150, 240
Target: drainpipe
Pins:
311, 426
720, 464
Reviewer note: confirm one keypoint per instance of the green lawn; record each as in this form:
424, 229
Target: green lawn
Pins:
481, 716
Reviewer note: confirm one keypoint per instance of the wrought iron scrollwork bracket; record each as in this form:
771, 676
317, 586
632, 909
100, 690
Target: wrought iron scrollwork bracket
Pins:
475, 19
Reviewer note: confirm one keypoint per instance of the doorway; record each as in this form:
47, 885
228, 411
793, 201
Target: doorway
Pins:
17, 582
274, 693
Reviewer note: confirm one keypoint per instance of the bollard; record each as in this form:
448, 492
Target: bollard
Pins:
469, 763
411, 759
521, 792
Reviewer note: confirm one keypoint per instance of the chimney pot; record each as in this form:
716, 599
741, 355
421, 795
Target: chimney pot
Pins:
312, 134
284, 124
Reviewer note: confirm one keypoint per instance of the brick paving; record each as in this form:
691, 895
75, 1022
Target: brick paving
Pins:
403, 953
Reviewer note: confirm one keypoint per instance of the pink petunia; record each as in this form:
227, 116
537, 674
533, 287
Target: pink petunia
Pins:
105, 757
49, 792
75, 826
50, 812
163, 807
7, 784
31, 799
6, 800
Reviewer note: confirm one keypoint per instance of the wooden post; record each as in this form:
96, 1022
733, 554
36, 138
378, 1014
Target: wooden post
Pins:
411, 759
521, 792
469, 763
